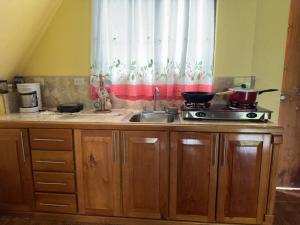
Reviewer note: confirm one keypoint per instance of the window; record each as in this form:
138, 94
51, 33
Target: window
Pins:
142, 44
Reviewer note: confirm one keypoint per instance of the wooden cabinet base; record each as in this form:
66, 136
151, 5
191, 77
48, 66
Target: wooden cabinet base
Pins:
141, 177
113, 220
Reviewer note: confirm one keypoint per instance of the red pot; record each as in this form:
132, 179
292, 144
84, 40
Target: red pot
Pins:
243, 95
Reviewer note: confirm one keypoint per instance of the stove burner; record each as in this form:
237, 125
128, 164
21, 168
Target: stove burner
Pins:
236, 106
195, 106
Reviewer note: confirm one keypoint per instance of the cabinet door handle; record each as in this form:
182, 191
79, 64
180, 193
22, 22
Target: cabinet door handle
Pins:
215, 150
124, 148
225, 150
49, 139
51, 183
49, 161
22, 145
54, 205
114, 146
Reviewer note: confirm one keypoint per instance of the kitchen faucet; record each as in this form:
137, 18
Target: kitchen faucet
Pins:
155, 95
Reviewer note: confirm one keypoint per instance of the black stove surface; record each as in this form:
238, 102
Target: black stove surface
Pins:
225, 108
224, 112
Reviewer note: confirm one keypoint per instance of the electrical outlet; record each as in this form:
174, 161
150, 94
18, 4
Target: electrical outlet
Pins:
78, 81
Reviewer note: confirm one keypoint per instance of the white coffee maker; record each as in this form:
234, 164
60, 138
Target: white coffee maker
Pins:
30, 95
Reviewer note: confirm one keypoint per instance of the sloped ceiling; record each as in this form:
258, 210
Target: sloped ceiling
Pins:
22, 24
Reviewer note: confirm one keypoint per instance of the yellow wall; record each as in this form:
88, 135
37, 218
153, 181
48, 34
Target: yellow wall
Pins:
235, 33
269, 50
250, 40
21, 23
65, 47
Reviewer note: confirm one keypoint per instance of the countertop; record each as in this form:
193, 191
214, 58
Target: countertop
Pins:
116, 116
119, 119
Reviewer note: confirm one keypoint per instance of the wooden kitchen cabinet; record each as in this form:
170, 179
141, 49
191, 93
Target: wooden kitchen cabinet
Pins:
193, 176
169, 175
98, 172
243, 178
145, 158
16, 189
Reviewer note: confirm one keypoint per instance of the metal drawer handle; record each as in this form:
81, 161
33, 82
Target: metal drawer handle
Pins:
51, 183
114, 147
225, 150
124, 148
215, 150
48, 139
22, 145
54, 205
48, 161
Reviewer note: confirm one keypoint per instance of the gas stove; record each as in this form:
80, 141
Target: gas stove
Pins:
225, 112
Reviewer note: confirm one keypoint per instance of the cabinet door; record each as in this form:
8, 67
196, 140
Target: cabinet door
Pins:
193, 181
16, 189
145, 174
243, 178
98, 172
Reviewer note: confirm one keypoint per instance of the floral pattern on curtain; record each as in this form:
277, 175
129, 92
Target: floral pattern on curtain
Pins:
142, 44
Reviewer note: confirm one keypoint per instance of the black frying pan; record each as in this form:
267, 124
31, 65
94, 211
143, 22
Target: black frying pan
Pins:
202, 97
198, 97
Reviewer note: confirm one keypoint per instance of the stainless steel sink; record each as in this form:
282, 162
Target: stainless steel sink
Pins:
153, 117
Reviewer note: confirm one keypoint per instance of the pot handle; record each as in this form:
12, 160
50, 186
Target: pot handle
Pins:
267, 90
224, 93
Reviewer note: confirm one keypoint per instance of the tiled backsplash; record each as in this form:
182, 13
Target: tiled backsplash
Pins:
62, 89
69, 89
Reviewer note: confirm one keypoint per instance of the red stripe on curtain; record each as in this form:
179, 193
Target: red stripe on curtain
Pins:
144, 91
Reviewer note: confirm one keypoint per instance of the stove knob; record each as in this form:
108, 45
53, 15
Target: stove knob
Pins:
201, 114
251, 115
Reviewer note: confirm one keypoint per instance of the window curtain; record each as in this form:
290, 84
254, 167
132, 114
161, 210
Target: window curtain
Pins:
143, 44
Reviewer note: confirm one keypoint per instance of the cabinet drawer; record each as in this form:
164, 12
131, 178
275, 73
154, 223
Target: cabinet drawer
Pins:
53, 161
51, 139
63, 203
54, 182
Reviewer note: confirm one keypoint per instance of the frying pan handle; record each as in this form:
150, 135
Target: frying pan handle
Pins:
224, 93
267, 90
